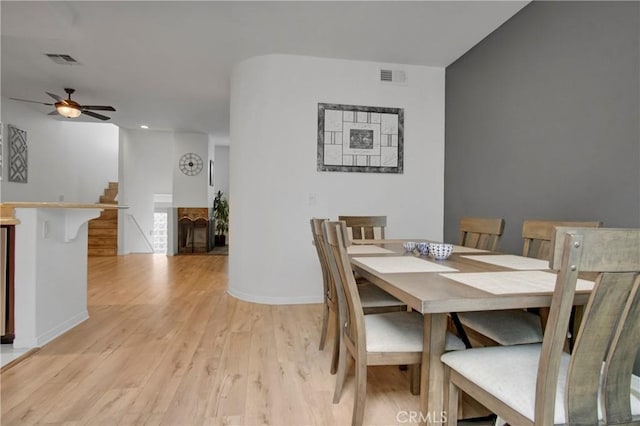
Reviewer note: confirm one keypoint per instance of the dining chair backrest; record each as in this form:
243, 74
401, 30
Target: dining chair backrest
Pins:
318, 242
607, 343
537, 235
365, 227
349, 305
481, 233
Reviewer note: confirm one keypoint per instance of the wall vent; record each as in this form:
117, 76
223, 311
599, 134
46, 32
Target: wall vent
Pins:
393, 76
62, 59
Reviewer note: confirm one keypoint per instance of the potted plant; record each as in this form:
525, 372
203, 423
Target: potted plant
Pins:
221, 218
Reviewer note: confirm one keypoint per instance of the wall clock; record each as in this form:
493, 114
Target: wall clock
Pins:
190, 164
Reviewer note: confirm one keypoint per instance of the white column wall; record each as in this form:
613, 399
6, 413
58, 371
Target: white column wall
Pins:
274, 179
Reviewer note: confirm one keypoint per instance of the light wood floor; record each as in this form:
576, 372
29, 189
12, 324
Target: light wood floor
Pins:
166, 345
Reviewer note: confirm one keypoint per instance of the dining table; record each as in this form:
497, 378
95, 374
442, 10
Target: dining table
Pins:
468, 280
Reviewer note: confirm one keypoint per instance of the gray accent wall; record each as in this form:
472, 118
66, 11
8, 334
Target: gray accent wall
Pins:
543, 120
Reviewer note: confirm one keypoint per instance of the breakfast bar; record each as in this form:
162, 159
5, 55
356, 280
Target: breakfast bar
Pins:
49, 267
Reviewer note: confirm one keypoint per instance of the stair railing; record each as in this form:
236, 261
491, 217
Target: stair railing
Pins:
141, 232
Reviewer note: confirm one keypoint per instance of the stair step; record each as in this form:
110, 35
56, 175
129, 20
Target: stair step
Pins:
109, 214
103, 242
102, 251
110, 192
107, 200
103, 224
112, 220
103, 232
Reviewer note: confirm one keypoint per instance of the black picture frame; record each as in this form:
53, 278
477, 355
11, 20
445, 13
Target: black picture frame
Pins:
355, 138
210, 172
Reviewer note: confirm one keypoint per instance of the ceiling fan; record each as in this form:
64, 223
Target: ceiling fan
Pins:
70, 108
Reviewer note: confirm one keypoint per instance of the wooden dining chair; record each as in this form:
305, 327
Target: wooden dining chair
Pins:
374, 299
392, 338
484, 234
537, 235
365, 227
481, 233
541, 384
517, 326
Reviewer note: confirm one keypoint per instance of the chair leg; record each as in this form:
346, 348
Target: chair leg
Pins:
336, 344
325, 326
344, 363
414, 373
360, 393
450, 398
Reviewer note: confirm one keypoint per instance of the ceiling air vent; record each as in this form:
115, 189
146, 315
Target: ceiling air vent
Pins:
393, 76
62, 59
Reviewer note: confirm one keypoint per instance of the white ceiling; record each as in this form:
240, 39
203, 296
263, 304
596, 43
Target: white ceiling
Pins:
167, 64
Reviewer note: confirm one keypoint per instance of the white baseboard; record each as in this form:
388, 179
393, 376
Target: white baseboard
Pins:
61, 328
267, 300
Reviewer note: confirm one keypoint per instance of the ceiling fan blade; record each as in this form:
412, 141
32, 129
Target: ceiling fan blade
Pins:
99, 107
96, 115
54, 112
35, 102
56, 97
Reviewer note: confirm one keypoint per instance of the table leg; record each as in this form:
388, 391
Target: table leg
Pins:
432, 375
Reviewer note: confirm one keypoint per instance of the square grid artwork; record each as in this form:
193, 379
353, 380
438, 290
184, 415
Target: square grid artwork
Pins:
18, 166
355, 138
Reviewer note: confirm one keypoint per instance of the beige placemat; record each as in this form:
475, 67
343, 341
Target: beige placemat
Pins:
512, 261
367, 249
513, 282
399, 264
463, 249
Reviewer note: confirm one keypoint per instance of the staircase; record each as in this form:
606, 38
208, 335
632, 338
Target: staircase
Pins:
103, 230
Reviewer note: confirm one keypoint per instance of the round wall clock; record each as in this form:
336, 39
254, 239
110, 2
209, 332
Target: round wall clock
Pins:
191, 164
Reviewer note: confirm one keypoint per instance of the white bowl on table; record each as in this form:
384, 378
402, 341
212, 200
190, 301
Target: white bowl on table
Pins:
409, 245
440, 251
423, 248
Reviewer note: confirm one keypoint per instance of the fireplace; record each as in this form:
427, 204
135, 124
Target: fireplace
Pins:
193, 230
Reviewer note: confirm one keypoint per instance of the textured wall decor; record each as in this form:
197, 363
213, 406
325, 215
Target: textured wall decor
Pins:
18, 165
355, 138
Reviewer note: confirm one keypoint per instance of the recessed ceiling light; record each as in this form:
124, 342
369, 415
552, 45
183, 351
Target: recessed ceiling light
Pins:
144, 126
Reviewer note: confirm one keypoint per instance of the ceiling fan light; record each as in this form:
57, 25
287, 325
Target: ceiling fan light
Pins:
69, 111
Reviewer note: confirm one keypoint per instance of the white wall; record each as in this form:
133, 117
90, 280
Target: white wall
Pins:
274, 179
147, 169
191, 191
148, 166
67, 159
221, 169
219, 153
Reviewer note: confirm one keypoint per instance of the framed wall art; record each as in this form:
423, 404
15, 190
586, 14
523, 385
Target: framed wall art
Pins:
353, 138
18, 161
